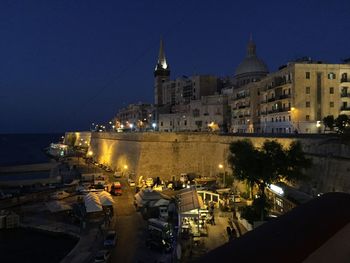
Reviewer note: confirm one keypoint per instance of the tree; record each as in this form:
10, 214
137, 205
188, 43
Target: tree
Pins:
266, 165
328, 122
243, 171
342, 122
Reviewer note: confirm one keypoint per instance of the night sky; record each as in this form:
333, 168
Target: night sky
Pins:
65, 64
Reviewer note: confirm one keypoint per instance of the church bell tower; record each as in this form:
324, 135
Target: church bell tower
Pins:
161, 75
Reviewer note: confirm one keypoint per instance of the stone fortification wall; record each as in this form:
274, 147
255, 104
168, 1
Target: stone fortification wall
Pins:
169, 154
77, 138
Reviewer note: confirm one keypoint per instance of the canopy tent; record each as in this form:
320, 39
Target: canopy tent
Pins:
188, 200
146, 196
92, 203
160, 202
105, 198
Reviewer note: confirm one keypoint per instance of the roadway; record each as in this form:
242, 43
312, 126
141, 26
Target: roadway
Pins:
131, 230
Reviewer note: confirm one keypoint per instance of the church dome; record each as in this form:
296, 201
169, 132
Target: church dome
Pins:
251, 63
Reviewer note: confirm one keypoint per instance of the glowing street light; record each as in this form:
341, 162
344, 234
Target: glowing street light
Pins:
221, 167
154, 126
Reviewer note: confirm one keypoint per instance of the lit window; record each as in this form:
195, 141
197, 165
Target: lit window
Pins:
331, 75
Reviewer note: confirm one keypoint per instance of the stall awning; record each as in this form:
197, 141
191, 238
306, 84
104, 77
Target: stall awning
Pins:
92, 203
105, 198
188, 200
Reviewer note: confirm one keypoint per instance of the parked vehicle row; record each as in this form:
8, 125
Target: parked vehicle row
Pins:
109, 242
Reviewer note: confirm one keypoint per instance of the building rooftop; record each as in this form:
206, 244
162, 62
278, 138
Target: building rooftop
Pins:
251, 63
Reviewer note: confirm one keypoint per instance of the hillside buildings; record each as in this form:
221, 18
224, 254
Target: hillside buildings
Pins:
293, 99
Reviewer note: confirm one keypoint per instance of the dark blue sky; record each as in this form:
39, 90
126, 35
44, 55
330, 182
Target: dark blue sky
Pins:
65, 64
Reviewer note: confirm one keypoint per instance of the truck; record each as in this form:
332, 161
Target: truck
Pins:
90, 177
159, 235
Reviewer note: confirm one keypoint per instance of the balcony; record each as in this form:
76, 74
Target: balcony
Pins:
271, 99
241, 96
284, 96
279, 110
344, 95
342, 80
345, 108
243, 106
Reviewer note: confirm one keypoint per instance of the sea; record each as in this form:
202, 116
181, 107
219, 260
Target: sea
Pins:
18, 149
22, 244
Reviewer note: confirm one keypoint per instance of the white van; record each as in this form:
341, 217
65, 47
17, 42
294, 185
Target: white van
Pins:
149, 181
118, 174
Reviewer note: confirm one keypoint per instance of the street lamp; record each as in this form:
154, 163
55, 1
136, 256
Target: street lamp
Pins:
89, 154
294, 118
154, 125
125, 168
221, 167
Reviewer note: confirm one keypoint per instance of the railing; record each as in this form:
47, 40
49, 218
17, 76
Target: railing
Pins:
243, 106
242, 96
279, 110
343, 108
344, 95
344, 80
284, 96
271, 99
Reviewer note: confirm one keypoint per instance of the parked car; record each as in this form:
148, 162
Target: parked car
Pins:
131, 182
117, 174
102, 256
111, 239
116, 188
